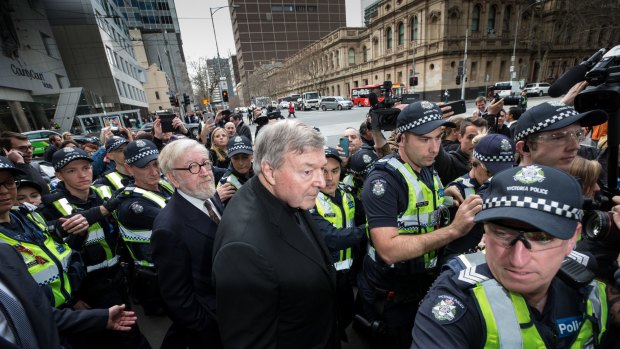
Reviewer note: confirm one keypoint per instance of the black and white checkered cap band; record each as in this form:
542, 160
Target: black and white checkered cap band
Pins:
117, 143
239, 147
419, 122
68, 159
545, 123
135, 158
538, 204
5, 165
494, 158
364, 171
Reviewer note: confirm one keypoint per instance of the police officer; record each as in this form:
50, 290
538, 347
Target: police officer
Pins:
51, 262
493, 153
140, 202
518, 299
117, 178
104, 285
403, 198
360, 164
334, 213
240, 169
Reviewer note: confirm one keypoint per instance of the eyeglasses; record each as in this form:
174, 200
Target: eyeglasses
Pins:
195, 167
9, 184
560, 137
532, 240
24, 148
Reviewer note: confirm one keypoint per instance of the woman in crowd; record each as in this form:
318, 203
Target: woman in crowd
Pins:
587, 173
219, 153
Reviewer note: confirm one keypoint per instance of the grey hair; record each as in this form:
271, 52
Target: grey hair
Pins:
176, 150
274, 141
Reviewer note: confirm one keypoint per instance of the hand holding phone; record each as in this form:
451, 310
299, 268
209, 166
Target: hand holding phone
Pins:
166, 122
458, 107
344, 144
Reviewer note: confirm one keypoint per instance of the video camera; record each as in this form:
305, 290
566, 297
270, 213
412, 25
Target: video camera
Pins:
603, 79
383, 115
509, 100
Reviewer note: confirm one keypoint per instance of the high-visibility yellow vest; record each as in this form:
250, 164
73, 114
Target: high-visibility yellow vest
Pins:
339, 217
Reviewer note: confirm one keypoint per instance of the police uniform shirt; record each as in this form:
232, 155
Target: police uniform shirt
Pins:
385, 196
138, 212
448, 316
20, 228
459, 183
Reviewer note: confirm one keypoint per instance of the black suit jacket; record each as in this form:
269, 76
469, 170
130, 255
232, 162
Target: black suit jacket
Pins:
48, 323
274, 288
182, 243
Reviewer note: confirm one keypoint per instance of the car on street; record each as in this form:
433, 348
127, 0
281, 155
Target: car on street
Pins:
39, 140
335, 103
284, 104
537, 89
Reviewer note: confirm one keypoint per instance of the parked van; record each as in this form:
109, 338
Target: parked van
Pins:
507, 88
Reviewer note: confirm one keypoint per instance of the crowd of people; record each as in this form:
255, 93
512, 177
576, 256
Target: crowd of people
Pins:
452, 232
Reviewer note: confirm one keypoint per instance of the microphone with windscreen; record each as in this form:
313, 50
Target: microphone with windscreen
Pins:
574, 75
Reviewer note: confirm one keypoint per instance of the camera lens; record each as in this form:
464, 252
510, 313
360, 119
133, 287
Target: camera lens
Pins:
600, 226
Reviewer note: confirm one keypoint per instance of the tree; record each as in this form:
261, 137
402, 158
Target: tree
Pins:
204, 80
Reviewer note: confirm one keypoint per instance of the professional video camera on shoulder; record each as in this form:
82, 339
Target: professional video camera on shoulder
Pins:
383, 115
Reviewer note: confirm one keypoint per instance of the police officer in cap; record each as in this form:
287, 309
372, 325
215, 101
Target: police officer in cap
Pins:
240, 169
334, 213
140, 202
119, 177
38, 242
520, 298
104, 284
403, 198
360, 164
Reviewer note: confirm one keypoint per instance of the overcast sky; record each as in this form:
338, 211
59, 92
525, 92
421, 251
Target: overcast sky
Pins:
197, 31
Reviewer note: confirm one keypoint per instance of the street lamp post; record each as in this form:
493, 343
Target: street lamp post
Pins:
213, 10
514, 46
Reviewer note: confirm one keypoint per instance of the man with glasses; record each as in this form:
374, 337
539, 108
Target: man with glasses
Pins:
140, 203
18, 149
519, 297
550, 133
182, 244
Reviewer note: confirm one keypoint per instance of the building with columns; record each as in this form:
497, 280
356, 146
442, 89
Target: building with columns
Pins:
550, 37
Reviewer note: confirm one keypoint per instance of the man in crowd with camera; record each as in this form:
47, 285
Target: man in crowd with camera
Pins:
524, 296
403, 199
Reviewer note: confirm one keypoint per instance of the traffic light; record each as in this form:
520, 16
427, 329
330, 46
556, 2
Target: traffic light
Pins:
413, 81
225, 96
458, 79
173, 99
185, 99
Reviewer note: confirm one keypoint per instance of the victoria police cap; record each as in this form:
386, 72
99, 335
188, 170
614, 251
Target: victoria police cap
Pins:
549, 116
540, 196
64, 156
362, 161
421, 118
239, 145
496, 152
7, 165
139, 153
114, 143
332, 153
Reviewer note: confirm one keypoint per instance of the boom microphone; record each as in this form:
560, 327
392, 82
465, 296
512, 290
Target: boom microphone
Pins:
574, 75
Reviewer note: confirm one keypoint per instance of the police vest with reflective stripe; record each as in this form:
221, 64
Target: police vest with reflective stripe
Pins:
508, 320
349, 185
138, 241
465, 185
115, 179
339, 217
232, 179
47, 262
422, 214
96, 235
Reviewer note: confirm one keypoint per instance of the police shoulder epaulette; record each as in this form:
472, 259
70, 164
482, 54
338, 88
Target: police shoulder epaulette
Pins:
469, 277
579, 257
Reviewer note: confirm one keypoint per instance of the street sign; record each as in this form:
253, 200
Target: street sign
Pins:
205, 101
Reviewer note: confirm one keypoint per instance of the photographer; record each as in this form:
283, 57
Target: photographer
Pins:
161, 138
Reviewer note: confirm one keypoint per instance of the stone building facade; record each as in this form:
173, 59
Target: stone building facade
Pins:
551, 36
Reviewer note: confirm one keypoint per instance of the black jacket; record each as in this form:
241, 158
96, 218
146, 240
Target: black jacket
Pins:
451, 165
275, 289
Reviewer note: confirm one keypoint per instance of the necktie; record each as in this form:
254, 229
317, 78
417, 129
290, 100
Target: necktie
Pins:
212, 213
15, 314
